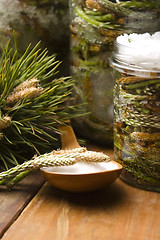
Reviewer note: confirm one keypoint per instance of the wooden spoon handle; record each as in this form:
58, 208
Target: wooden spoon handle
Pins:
68, 138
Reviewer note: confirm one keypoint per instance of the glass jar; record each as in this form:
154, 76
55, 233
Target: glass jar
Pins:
137, 115
94, 28
37, 20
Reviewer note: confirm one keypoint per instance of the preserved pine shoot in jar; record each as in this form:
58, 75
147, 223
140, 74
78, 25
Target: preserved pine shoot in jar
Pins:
95, 24
136, 60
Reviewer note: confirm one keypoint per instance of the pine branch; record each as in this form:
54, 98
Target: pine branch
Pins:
33, 103
54, 158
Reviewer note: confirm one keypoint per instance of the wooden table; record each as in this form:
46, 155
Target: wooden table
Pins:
35, 210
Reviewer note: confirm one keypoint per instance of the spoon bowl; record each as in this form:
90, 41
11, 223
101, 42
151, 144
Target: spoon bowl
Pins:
82, 177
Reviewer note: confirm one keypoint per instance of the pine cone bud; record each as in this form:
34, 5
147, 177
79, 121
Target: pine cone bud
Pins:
27, 84
92, 156
5, 121
29, 89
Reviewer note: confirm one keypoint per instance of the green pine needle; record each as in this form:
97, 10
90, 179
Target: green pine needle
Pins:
35, 111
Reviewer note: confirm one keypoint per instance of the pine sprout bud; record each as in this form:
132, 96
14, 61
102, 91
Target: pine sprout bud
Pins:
92, 156
52, 159
75, 150
34, 82
5, 121
28, 93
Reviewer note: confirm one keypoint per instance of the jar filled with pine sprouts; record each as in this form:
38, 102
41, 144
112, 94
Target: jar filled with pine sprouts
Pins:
95, 24
136, 61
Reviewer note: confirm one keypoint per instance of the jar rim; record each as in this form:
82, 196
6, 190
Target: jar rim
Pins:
120, 62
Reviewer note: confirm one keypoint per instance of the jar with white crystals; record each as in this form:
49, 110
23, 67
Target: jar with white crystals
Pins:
94, 25
136, 61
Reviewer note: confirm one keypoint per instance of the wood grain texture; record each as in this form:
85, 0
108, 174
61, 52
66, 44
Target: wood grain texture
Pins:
13, 202
118, 212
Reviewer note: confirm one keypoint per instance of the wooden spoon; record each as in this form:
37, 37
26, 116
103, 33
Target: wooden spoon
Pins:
68, 138
82, 182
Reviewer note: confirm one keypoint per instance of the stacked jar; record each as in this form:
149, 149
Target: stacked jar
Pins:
32, 21
136, 60
95, 24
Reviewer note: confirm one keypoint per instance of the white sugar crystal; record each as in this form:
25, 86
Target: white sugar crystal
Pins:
140, 49
82, 167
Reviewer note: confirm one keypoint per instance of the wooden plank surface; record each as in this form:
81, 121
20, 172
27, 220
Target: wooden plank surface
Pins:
13, 202
118, 212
